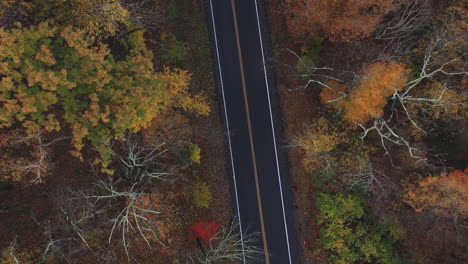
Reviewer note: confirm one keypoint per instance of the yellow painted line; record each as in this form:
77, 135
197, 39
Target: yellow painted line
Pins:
249, 125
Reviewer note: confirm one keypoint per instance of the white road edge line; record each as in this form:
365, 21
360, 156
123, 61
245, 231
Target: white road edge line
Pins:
227, 128
273, 130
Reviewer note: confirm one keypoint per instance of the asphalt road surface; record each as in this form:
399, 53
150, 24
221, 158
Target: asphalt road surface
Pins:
249, 100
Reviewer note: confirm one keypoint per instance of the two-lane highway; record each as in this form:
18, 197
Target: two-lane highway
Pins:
260, 179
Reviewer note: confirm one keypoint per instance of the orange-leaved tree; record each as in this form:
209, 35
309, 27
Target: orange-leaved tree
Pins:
443, 194
333, 94
379, 81
51, 77
339, 20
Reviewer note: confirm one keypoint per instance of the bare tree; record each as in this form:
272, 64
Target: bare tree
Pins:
78, 213
230, 245
435, 63
315, 75
141, 165
145, 13
37, 163
371, 180
408, 19
134, 217
388, 135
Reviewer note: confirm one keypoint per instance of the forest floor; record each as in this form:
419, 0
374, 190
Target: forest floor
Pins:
188, 25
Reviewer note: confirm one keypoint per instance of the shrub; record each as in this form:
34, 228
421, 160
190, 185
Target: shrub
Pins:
172, 10
176, 54
136, 40
195, 153
133, 41
205, 231
397, 231
202, 196
310, 56
190, 155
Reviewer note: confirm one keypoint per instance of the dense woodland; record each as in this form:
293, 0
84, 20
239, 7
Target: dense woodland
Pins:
111, 146
112, 149
378, 148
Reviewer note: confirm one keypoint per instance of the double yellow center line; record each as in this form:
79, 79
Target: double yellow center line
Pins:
249, 125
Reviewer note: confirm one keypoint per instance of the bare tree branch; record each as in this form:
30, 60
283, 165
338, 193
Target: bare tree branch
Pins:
229, 245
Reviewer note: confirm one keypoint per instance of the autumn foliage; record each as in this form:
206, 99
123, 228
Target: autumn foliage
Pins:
349, 235
444, 194
49, 74
204, 230
379, 80
339, 20
333, 97
317, 141
99, 18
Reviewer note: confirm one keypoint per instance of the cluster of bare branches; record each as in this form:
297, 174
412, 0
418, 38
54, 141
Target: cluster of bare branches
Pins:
399, 32
408, 19
57, 245
135, 217
315, 75
118, 207
141, 165
435, 63
145, 13
230, 245
38, 164
373, 181
387, 134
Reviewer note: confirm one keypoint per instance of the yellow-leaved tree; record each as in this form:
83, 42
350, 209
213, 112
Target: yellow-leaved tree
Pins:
317, 141
99, 18
53, 77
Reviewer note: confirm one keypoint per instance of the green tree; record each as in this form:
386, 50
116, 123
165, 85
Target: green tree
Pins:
348, 233
51, 77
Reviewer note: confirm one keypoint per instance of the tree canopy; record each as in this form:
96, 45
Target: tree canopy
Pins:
349, 236
53, 78
447, 193
378, 81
